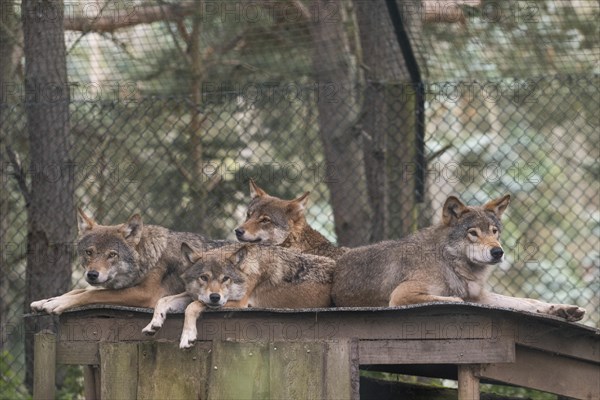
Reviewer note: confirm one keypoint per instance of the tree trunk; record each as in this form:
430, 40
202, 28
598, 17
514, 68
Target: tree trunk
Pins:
338, 111
388, 122
51, 214
9, 46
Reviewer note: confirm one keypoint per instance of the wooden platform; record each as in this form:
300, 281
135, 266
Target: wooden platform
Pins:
316, 353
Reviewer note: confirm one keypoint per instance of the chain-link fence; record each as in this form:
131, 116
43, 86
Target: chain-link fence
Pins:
174, 106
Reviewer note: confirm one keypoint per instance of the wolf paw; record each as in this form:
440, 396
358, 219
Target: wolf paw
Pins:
566, 311
54, 305
188, 338
570, 313
39, 304
152, 327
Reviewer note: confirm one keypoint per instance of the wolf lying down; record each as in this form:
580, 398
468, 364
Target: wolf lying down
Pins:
447, 262
242, 275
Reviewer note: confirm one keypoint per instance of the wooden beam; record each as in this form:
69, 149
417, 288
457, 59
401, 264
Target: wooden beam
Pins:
468, 382
435, 351
44, 366
77, 353
548, 372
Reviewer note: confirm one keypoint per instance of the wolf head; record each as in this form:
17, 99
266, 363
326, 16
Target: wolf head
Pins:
271, 220
109, 253
474, 232
213, 277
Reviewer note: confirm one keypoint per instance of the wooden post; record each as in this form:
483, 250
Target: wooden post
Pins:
44, 366
468, 382
91, 389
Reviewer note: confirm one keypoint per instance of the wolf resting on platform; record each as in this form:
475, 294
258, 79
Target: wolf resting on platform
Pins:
447, 262
271, 220
130, 264
242, 275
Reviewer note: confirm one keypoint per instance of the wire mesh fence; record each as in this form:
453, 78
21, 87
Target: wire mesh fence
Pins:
172, 111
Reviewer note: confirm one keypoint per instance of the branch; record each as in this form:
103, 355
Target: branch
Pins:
130, 17
19, 175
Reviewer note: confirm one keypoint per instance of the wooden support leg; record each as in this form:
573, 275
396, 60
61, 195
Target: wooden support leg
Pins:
44, 366
90, 376
468, 382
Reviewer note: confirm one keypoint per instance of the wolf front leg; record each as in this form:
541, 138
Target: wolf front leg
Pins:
167, 304
38, 305
569, 312
189, 332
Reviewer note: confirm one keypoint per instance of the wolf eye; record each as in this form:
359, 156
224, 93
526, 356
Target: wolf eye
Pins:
494, 230
112, 254
204, 278
472, 232
264, 219
89, 252
226, 279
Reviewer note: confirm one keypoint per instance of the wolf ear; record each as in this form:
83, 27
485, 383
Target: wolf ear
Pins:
132, 230
188, 254
239, 256
453, 210
84, 222
255, 191
301, 202
497, 206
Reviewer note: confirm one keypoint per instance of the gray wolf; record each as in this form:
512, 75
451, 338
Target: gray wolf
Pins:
447, 262
129, 264
243, 275
271, 220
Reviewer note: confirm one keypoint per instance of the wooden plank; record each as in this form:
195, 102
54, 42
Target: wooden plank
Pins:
165, 371
118, 370
341, 368
572, 342
44, 366
77, 353
435, 351
239, 370
468, 382
548, 372
271, 327
90, 391
297, 370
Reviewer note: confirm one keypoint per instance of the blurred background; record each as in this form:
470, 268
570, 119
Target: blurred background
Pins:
380, 109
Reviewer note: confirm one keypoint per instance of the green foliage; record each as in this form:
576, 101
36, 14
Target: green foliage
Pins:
11, 387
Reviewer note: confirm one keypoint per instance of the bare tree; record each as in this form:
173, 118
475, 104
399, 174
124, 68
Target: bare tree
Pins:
338, 112
8, 49
388, 122
50, 211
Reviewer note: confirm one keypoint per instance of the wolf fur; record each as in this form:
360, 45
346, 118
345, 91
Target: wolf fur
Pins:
242, 275
271, 220
447, 262
130, 264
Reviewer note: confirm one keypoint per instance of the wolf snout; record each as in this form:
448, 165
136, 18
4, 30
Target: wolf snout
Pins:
92, 276
497, 253
214, 297
239, 232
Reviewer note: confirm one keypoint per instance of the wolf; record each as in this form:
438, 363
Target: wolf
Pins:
129, 264
243, 275
446, 262
271, 220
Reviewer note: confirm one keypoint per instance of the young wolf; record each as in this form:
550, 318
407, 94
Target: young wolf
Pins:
271, 220
242, 275
447, 262
131, 264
